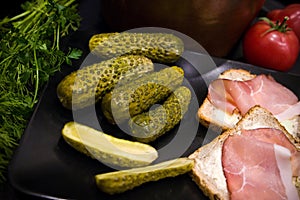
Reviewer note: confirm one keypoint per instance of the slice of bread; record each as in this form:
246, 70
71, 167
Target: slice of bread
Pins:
211, 116
208, 172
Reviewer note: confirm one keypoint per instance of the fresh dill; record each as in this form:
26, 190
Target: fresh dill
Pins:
30, 54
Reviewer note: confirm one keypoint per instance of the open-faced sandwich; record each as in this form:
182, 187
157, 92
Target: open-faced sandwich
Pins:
237, 90
255, 159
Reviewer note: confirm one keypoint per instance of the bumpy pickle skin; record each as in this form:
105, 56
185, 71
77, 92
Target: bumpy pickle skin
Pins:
89, 84
124, 180
148, 126
107, 149
140, 94
159, 47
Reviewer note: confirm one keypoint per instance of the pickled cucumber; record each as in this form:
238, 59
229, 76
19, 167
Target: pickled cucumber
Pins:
140, 94
159, 47
121, 181
88, 85
96, 39
148, 126
106, 148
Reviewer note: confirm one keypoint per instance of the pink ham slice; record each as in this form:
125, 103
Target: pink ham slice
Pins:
262, 90
259, 164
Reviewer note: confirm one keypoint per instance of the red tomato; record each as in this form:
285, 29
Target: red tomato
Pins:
271, 45
293, 12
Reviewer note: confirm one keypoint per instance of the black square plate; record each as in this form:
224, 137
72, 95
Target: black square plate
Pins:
44, 165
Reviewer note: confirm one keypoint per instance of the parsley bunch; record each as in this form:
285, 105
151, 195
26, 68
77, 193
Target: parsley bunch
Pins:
30, 53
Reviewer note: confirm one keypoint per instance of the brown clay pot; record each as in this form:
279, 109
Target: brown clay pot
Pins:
216, 24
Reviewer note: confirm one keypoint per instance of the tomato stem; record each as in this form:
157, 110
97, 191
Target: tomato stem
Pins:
277, 26
282, 27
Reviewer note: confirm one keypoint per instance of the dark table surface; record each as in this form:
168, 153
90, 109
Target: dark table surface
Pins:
13, 7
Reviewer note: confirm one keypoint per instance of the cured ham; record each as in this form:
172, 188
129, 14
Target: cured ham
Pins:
263, 90
259, 164
292, 110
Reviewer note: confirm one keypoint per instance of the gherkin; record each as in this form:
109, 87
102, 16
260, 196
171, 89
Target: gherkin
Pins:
89, 84
121, 181
148, 126
140, 94
159, 47
106, 148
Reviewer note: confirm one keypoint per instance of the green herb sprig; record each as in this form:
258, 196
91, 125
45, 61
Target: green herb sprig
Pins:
30, 54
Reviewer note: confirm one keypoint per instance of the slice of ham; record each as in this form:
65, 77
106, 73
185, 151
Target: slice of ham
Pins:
263, 90
259, 164
291, 111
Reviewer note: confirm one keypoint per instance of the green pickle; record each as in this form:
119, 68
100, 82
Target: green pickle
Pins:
121, 181
89, 84
107, 149
148, 126
140, 94
159, 47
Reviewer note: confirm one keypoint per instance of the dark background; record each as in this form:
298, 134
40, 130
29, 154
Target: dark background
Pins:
12, 8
